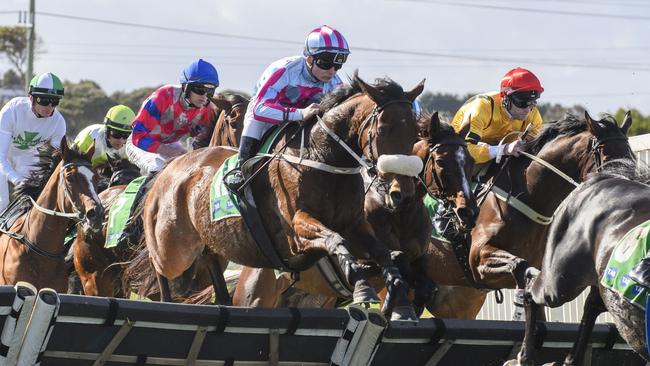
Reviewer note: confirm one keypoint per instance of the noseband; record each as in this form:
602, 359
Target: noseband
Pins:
435, 176
371, 122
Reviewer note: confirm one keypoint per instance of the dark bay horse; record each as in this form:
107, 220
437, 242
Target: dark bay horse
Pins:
63, 187
505, 240
581, 240
308, 212
447, 170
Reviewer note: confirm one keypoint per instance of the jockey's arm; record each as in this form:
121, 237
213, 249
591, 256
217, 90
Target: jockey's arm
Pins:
5, 167
266, 108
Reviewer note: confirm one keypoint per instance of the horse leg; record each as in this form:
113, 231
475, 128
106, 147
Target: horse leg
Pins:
314, 236
593, 307
424, 288
165, 292
218, 282
397, 303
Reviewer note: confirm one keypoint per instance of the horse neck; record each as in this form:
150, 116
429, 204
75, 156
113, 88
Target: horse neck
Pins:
43, 229
345, 121
568, 159
217, 138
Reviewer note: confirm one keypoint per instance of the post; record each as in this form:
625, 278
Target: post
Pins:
30, 43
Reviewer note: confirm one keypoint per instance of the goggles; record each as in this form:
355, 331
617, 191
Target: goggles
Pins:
202, 89
328, 60
118, 134
46, 101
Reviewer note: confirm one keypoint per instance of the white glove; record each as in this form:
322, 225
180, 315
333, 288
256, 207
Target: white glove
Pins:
513, 148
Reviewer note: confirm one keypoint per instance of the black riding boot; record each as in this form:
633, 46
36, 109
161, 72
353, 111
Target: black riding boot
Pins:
247, 148
641, 273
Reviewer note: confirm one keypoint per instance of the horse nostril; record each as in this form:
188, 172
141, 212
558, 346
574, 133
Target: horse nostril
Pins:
396, 196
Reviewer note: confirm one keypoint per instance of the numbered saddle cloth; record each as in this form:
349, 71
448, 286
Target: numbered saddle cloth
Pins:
119, 212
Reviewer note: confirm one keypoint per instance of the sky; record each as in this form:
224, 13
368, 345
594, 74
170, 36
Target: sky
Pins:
590, 52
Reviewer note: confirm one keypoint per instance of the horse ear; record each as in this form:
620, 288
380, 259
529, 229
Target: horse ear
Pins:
64, 147
594, 127
220, 102
434, 125
417, 90
627, 122
369, 90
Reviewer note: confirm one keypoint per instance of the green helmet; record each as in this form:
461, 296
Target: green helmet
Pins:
46, 85
120, 118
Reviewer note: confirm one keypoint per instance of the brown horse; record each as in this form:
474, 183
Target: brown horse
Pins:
230, 120
33, 246
447, 169
309, 212
505, 240
581, 240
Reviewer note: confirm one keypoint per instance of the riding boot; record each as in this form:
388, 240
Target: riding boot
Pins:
641, 273
247, 148
130, 225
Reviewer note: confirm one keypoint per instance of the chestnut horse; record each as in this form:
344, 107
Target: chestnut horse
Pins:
447, 170
32, 247
581, 240
309, 211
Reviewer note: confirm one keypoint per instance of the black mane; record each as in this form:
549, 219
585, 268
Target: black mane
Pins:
570, 125
388, 88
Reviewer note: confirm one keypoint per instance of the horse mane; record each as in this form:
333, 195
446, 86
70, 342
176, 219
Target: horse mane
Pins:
570, 125
48, 159
388, 88
620, 169
234, 98
445, 131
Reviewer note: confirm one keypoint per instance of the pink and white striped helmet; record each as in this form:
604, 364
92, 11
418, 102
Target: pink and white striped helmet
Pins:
325, 39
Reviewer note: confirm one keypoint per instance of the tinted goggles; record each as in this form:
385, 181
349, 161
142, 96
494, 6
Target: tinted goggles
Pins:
45, 101
326, 64
201, 90
523, 102
118, 134
328, 60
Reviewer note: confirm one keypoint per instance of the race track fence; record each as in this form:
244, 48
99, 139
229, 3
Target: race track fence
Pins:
50, 329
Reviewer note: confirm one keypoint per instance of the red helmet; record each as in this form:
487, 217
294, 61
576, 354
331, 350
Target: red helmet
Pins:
519, 80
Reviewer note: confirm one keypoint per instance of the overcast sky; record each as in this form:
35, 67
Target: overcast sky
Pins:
592, 52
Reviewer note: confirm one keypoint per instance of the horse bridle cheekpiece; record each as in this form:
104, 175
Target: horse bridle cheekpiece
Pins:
596, 147
372, 121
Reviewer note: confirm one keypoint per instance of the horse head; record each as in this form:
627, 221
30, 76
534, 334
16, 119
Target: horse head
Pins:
448, 169
609, 141
229, 110
78, 183
386, 130
122, 171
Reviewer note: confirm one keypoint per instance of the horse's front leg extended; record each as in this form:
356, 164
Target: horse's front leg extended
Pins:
497, 268
397, 304
594, 306
314, 236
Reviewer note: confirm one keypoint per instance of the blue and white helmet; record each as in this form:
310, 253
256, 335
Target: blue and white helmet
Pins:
200, 72
327, 39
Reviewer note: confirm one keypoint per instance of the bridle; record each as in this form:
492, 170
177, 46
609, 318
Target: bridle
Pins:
596, 147
77, 214
371, 122
230, 136
442, 193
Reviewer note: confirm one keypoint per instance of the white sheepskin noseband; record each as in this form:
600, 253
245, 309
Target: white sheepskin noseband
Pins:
409, 165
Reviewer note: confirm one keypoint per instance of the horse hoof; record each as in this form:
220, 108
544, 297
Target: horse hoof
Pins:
403, 313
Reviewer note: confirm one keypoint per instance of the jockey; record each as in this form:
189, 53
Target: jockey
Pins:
290, 90
25, 124
170, 113
109, 137
487, 118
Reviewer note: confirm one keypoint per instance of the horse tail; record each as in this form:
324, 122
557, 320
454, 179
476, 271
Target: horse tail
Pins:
139, 274
202, 297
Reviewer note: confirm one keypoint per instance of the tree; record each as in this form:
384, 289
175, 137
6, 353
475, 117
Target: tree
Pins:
85, 103
11, 80
133, 99
640, 123
13, 44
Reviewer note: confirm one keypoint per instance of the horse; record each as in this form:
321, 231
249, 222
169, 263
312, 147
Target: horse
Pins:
309, 211
61, 189
447, 169
581, 240
505, 240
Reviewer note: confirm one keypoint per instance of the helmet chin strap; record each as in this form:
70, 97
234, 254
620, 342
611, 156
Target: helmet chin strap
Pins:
309, 68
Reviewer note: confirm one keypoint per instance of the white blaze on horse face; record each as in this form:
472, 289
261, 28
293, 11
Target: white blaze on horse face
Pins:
460, 159
88, 173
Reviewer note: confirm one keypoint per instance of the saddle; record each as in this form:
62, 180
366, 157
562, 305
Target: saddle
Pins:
16, 209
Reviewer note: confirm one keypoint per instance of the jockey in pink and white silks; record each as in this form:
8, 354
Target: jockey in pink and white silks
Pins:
290, 90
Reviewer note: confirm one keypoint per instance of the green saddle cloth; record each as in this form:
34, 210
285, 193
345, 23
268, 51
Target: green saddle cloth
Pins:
119, 212
224, 204
628, 252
